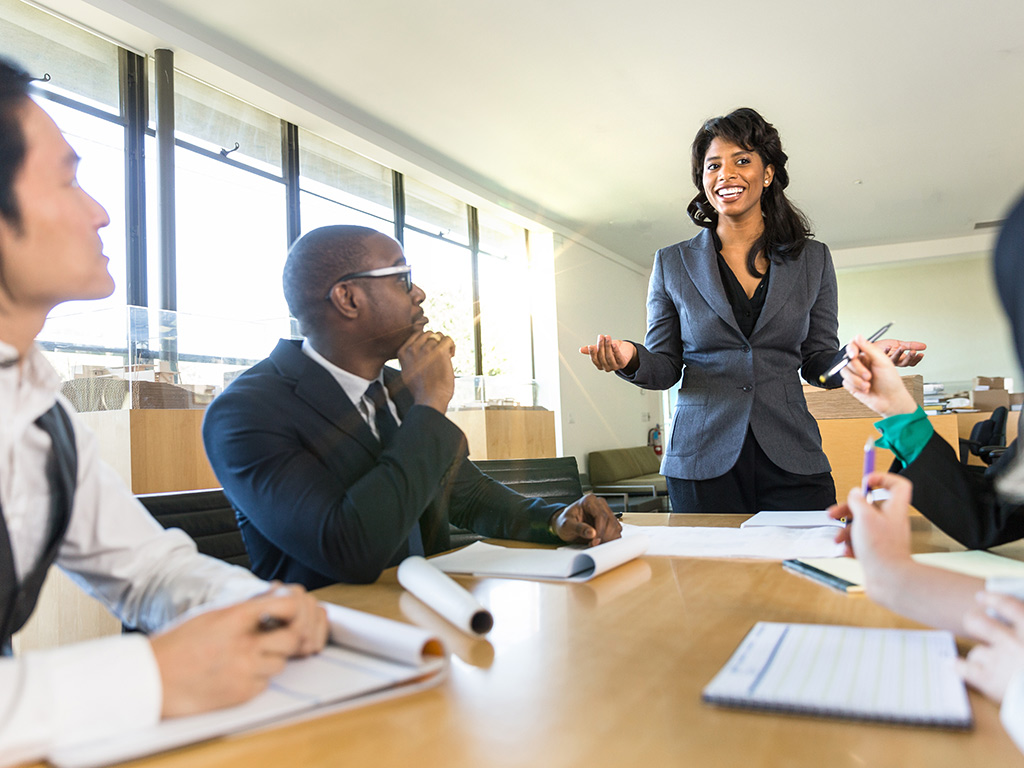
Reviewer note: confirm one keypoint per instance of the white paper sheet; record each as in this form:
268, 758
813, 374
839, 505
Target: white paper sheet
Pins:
815, 519
767, 542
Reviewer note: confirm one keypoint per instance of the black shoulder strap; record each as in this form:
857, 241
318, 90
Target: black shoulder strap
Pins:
18, 600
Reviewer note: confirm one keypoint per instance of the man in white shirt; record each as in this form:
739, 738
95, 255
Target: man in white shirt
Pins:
59, 503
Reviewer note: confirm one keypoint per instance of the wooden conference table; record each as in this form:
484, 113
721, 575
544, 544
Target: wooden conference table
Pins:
610, 673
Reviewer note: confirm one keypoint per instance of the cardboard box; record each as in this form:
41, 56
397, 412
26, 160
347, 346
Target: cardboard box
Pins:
840, 404
991, 382
1017, 398
989, 399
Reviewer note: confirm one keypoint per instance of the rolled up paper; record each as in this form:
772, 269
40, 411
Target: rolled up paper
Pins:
444, 595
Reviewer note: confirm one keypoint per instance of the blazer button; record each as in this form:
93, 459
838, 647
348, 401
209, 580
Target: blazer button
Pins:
747, 388
746, 348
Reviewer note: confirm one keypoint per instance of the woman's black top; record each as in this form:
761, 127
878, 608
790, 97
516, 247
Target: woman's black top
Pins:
746, 310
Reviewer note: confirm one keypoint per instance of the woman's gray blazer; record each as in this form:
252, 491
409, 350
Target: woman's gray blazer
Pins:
729, 381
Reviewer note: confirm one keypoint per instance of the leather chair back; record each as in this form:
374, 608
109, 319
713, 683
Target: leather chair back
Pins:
555, 480
207, 516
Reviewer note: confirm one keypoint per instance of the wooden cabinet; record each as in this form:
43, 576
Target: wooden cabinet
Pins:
154, 450
507, 433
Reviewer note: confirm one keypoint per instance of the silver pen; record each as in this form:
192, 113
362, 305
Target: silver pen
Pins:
847, 359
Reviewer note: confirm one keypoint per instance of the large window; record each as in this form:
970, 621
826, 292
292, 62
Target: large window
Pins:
505, 299
437, 246
340, 187
78, 85
230, 220
238, 200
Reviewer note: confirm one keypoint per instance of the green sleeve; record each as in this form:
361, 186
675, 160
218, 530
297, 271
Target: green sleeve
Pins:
905, 434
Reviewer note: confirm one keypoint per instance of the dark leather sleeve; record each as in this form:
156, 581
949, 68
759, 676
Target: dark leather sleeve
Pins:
962, 503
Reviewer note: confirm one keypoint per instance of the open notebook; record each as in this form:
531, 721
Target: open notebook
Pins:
566, 564
892, 675
369, 658
846, 574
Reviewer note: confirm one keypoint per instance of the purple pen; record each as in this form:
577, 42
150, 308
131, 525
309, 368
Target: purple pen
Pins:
869, 463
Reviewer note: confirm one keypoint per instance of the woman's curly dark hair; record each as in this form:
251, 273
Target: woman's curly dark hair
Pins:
786, 229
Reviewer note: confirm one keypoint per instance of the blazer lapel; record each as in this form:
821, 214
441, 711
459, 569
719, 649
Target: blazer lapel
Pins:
701, 262
318, 389
780, 286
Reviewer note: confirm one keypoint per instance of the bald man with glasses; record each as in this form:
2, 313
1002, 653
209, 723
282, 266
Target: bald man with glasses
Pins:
338, 466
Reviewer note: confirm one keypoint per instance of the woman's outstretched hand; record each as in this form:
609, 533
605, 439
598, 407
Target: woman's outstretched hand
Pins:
611, 354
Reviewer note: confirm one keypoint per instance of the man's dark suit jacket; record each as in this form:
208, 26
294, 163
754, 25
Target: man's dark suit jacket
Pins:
317, 499
962, 503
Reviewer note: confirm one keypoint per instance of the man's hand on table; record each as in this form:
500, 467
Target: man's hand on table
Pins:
589, 520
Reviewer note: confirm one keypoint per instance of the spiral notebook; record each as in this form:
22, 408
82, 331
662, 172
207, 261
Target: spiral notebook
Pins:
891, 675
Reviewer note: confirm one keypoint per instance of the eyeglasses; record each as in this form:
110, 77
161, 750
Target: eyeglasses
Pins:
402, 270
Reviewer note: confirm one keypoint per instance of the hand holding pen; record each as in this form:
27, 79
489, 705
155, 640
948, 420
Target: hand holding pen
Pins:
889, 499
872, 378
903, 354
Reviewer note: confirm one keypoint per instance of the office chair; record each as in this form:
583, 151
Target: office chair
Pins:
556, 480
988, 438
207, 516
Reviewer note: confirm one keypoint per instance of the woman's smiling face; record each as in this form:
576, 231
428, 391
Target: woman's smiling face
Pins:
734, 178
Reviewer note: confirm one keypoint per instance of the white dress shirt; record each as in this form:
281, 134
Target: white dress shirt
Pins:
355, 387
1011, 713
116, 552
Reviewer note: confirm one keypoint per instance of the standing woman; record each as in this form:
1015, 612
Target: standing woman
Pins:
742, 310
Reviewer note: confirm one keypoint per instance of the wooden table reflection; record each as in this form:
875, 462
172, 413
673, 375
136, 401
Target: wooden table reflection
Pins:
610, 673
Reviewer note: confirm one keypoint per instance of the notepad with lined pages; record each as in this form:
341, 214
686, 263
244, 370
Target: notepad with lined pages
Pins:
846, 574
891, 675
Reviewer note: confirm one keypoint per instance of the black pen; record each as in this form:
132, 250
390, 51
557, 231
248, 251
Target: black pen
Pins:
847, 359
820, 576
268, 623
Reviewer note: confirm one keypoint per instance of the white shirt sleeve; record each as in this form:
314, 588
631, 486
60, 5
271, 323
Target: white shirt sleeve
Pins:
78, 693
1011, 713
118, 553
147, 576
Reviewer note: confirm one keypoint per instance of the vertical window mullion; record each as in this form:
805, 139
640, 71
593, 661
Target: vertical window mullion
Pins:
164, 63
474, 256
134, 103
398, 196
290, 171
533, 346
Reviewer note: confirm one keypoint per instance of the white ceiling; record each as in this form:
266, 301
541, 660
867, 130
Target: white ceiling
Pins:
903, 120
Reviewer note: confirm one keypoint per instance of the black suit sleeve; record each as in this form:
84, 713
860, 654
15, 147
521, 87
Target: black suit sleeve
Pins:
821, 350
962, 503
487, 507
330, 509
348, 529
